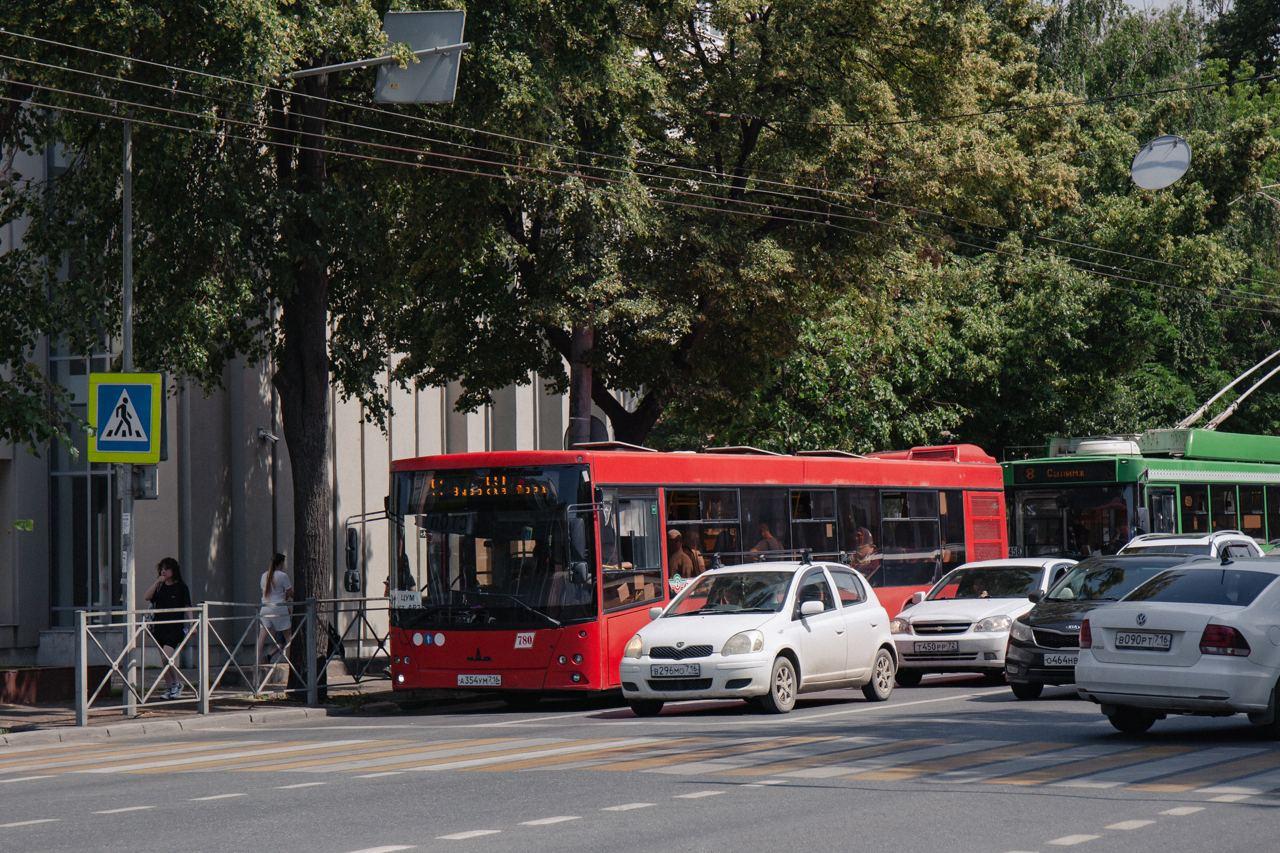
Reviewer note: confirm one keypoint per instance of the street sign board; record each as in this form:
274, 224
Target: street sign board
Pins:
124, 413
432, 79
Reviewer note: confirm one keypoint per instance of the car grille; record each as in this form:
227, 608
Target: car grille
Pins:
933, 628
672, 653
1057, 639
672, 684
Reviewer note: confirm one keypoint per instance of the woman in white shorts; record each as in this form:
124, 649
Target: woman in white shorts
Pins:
275, 615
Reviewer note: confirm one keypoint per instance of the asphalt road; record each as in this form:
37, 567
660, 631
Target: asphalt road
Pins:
949, 766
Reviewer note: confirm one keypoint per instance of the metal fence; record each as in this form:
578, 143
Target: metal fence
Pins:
223, 649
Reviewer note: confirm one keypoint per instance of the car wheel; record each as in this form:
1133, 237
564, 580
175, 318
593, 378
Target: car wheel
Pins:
783, 686
646, 707
1131, 721
993, 678
908, 677
880, 687
1027, 689
1269, 729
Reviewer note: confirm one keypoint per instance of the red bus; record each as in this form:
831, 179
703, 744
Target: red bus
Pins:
528, 571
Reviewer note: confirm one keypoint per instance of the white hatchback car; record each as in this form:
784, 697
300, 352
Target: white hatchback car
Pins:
962, 624
765, 633
1220, 543
1196, 639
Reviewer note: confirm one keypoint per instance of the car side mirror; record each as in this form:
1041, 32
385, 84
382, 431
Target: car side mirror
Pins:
810, 608
654, 613
916, 598
1035, 595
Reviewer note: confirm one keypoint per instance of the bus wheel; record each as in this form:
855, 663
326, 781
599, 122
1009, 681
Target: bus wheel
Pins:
880, 687
783, 686
908, 677
1027, 689
646, 707
521, 701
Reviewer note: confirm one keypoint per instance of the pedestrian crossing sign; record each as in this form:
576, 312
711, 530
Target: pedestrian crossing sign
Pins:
124, 411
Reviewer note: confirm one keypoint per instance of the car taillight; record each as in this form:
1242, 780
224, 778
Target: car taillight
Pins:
1223, 640
1086, 636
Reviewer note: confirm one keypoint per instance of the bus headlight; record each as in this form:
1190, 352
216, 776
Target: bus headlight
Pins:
1020, 630
899, 626
992, 624
744, 643
634, 648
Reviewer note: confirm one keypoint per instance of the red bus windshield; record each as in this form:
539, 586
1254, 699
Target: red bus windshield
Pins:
496, 548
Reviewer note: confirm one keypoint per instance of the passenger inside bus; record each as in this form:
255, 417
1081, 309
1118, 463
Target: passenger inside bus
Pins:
768, 544
679, 562
865, 558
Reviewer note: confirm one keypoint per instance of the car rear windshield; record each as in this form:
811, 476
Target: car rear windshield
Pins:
1237, 587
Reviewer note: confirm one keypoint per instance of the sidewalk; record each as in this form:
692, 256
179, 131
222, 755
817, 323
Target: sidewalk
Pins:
33, 724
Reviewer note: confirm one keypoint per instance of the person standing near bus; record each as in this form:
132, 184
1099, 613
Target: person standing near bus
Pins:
168, 593
275, 615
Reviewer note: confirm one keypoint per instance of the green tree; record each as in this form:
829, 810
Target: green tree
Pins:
1246, 31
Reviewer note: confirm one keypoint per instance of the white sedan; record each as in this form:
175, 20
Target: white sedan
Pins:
1197, 639
962, 624
764, 633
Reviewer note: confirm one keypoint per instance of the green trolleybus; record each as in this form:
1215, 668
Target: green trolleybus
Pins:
1091, 495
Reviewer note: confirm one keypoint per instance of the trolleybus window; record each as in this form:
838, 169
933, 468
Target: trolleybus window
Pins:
1252, 512
1195, 509
1223, 501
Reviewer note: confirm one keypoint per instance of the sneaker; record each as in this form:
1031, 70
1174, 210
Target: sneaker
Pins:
174, 692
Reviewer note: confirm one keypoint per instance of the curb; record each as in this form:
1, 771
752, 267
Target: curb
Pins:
226, 720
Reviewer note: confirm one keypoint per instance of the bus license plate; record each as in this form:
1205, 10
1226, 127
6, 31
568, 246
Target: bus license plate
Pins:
937, 646
479, 680
675, 670
1061, 660
1144, 640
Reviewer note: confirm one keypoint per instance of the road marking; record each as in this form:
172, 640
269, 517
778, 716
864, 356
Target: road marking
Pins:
125, 809
392, 849
384, 754
1005, 751
23, 779
626, 807
67, 762
1205, 777
1182, 811
308, 785
216, 797
463, 836
548, 821
528, 720
562, 748
1229, 798
1072, 840
379, 775
192, 761
692, 759
1161, 768
584, 758
410, 758
862, 709
809, 760
1131, 824
698, 795
18, 823
1088, 766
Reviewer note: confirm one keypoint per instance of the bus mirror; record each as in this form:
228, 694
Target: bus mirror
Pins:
351, 580
654, 613
577, 538
578, 573
386, 504
353, 550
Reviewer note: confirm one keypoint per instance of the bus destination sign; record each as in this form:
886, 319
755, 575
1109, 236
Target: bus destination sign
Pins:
1065, 472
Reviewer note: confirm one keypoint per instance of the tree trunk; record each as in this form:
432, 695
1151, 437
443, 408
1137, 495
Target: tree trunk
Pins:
302, 368
582, 341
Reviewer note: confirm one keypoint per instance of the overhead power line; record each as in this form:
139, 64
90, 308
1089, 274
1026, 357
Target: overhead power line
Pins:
996, 111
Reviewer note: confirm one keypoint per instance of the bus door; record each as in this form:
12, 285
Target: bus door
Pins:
1041, 524
1163, 506
632, 578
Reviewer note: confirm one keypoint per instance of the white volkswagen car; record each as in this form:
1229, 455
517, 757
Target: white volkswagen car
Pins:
962, 624
1196, 639
764, 633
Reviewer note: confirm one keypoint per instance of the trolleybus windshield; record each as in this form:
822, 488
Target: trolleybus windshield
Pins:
495, 548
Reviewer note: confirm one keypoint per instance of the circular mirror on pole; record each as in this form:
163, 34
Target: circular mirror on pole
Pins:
1161, 162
